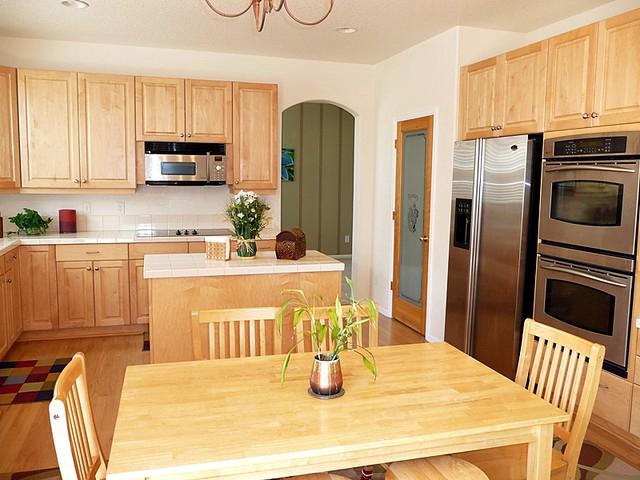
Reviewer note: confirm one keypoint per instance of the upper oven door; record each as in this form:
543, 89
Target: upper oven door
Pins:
590, 204
588, 302
175, 168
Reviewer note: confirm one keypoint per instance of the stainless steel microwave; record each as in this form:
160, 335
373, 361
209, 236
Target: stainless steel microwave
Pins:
185, 163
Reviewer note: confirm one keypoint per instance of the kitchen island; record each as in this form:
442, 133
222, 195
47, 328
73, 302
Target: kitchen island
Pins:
182, 283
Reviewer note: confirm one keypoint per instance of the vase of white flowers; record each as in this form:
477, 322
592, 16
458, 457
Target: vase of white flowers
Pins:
247, 212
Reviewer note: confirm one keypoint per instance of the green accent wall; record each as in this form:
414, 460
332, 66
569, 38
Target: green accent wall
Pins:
320, 199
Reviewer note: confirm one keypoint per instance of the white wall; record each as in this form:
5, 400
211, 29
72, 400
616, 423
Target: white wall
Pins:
417, 82
348, 85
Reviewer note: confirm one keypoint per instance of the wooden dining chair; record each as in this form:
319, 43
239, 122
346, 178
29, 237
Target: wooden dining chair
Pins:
236, 333
74, 433
565, 371
321, 314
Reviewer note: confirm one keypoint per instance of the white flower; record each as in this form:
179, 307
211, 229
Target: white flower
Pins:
253, 210
241, 215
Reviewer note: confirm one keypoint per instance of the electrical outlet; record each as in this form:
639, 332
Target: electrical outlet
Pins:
120, 207
347, 239
86, 208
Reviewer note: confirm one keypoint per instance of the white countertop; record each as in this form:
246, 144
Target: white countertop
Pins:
197, 265
128, 236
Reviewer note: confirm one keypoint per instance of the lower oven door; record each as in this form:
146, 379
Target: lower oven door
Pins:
588, 302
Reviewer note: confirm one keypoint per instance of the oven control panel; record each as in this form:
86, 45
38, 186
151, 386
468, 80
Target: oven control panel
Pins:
590, 146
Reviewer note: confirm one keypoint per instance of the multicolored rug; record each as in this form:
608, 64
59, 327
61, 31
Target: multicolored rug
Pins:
146, 345
25, 381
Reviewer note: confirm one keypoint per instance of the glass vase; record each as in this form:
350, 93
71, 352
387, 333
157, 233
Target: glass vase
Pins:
246, 247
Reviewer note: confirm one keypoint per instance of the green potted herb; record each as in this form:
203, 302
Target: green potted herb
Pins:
326, 374
29, 222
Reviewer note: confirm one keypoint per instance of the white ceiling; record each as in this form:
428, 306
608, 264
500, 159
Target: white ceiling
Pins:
385, 27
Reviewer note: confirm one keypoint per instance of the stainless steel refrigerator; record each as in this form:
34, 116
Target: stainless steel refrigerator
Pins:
492, 247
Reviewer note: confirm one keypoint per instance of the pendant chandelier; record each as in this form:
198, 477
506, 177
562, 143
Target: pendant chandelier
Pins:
262, 7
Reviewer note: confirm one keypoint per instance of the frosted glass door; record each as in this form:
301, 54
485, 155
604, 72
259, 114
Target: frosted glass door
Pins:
412, 217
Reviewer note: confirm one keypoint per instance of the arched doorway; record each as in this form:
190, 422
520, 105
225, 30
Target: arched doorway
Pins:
317, 176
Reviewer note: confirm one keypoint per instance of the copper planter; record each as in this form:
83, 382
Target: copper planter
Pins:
326, 376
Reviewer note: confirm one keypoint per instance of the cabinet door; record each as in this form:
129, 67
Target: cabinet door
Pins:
256, 158
139, 292
75, 294
571, 73
478, 83
521, 88
618, 77
111, 285
12, 295
209, 111
107, 131
48, 111
160, 111
38, 287
9, 151
4, 319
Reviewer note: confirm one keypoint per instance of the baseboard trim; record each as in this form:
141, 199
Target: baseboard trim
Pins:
85, 332
622, 444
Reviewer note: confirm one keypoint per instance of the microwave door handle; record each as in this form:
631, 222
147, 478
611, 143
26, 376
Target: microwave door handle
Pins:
583, 275
598, 168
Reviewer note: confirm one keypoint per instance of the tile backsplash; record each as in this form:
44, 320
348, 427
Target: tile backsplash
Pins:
156, 207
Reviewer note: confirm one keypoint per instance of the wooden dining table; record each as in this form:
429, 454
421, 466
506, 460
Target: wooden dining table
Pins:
223, 419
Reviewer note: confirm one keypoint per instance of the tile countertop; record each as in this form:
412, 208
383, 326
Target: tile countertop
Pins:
197, 265
128, 236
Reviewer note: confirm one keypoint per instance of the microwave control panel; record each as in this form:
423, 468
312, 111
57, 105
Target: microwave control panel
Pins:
218, 169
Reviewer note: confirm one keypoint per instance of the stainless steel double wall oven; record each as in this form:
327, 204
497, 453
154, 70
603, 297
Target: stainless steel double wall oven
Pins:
587, 238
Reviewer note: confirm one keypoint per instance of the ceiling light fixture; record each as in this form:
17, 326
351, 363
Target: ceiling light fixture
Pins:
75, 3
262, 7
346, 30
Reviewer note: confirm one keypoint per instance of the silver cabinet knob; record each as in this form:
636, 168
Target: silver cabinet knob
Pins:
493, 129
594, 114
237, 182
88, 269
9, 281
76, 180
97, 269
181, 135
84, 180
189, 135
499, 127
424, 239
585, 115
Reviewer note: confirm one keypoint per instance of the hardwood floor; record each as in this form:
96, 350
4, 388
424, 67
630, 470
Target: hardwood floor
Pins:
25, 437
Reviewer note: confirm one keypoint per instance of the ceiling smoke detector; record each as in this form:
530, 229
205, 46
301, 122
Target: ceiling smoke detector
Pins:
75, 3
346, 30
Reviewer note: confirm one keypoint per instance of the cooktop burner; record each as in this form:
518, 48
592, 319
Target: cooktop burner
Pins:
191, 232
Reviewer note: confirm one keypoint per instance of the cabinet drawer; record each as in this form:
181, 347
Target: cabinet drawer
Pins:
92, 251
11, 259
137, 251
613, 402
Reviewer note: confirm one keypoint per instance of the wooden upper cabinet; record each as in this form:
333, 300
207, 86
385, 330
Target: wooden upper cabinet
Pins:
478, 84
9, 150
48, 111
521, 90
209, 113
256, 158
107, 131
38, 287
75, 294
160, 109
618, 74
571, 79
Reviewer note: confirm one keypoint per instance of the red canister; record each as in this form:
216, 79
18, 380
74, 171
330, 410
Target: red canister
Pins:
67, 220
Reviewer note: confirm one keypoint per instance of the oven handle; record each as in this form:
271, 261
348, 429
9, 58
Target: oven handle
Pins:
584, 275
598, 168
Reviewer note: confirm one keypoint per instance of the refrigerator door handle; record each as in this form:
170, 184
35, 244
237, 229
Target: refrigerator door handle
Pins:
583, 275
598, 168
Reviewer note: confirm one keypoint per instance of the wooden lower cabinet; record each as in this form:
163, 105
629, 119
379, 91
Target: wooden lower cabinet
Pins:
14, 310
38, 287
4, 330
111, 292
139, 288
613, 402
75, 294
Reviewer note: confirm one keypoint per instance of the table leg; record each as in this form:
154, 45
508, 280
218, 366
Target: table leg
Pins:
539, 454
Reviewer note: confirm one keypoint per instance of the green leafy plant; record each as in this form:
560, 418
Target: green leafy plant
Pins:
344, 337
29, 222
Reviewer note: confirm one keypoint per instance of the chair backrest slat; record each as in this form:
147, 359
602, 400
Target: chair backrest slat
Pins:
229, 329
72, 425
322, 315
565, 371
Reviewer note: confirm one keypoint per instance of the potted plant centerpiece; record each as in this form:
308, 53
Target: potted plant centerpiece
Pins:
247, 212
342, 324
30, 222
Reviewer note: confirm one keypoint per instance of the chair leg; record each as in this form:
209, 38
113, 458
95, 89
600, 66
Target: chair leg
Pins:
366, 473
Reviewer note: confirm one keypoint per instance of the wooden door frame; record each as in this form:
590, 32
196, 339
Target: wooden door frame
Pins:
420, 123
